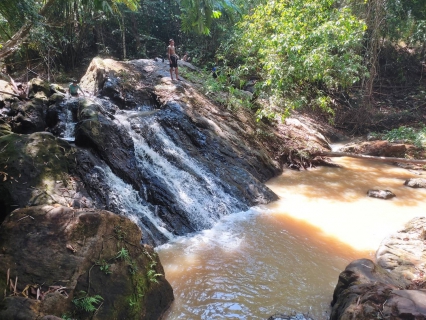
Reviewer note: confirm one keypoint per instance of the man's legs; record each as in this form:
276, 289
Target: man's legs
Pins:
171, 73
177, 73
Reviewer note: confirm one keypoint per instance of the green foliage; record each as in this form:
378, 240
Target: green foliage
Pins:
152, 276
198, 14
87, 303
409, 135
104, 266
301, 50
123, 254
135, 300
406, 20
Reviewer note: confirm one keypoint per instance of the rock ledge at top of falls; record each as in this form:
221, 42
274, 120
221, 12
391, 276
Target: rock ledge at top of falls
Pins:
392, 288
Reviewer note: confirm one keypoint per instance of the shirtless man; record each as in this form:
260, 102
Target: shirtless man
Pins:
173, 58
74, 87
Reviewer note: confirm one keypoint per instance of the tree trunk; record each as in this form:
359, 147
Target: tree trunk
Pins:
136, 34
14, 43
362, 156
124, 36
375, 18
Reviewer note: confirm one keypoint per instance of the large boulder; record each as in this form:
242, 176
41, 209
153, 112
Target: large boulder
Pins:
39, 89
392, 288
28, 116
415, 183
118, 81
35, 170
83, 264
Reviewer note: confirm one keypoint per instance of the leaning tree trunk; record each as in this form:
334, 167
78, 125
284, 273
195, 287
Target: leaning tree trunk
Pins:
18, 38
15, 42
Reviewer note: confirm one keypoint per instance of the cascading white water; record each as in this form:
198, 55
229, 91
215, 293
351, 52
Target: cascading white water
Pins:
193, 189
198, 192
69, 132
128, 202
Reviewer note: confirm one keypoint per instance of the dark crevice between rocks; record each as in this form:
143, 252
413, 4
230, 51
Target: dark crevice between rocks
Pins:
5, 206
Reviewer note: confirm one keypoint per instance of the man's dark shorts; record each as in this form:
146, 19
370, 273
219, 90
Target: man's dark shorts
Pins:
173, 61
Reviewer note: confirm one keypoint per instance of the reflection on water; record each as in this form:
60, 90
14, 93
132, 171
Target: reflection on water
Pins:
287, 256
334, 199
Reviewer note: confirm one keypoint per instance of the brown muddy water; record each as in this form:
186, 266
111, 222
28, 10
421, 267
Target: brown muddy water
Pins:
286, 257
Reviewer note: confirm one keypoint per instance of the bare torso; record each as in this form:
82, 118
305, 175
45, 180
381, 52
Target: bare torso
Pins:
171, 50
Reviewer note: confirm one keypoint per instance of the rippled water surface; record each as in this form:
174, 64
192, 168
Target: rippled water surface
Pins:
287, 256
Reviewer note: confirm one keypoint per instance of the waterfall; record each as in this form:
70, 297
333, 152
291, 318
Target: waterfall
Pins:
179, 192
69, 131
197, 191
124, 199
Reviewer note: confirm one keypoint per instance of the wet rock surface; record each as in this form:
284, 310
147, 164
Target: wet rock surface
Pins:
415, 183
51, 254
392, 288
381, 194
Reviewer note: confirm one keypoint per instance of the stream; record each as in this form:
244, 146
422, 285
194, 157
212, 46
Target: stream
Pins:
286, 257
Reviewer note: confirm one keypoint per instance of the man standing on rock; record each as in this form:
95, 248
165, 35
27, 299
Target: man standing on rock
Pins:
173, 58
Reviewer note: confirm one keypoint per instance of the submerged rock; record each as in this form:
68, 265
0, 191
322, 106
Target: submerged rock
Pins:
415, 183
381, 194
56, 257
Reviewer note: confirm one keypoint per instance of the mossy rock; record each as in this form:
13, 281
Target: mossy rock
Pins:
5, 129
39, 85
28, 116
40, 97
94, 251
33, 170
56, 88
56, 97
